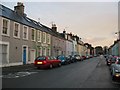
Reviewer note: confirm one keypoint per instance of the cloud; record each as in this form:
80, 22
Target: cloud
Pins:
99, 41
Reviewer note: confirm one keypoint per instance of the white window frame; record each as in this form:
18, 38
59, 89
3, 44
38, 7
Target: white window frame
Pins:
49, 52
26, 34
44, 33
40, 51
49, 36
8, 27
45, 51
32, 61
39, 33
34, 34
18, 30
8, 45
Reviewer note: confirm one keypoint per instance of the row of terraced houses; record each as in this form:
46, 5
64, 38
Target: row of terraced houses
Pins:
23, 39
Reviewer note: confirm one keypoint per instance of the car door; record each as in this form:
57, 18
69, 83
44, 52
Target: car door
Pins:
48, 59
56, 61
52, 61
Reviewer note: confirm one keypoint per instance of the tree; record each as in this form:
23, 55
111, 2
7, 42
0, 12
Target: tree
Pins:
99, 50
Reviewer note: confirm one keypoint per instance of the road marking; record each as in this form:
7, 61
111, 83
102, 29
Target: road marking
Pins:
18, 74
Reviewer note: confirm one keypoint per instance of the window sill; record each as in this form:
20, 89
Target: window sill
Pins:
39, 41
6, 35
33, 40
16, 37
25, 39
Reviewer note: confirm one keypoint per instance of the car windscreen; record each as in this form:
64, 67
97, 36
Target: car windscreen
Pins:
61, 57
113, 59
41, 58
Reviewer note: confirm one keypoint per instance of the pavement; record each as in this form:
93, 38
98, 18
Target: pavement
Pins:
13, 69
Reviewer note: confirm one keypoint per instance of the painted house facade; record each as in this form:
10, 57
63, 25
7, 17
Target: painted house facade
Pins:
69, 43
58, 42
23, 39
81, 48
115, 48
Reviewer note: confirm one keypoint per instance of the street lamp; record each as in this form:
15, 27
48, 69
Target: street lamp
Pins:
118, 33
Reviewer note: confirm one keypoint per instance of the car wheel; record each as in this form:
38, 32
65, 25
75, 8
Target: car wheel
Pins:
65, 63
113, 77
51, 66
38, 67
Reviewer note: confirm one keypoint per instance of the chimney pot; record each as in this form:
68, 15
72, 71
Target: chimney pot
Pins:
19, 8
54, 28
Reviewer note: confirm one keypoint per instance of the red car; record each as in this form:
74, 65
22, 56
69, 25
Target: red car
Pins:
83, 57
111, 60
46, 62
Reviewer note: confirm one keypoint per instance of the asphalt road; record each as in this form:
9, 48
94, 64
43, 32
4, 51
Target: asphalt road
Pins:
91, 73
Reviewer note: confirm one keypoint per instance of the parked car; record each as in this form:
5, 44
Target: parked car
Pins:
83, 57
111, 60
115, 69
76, 58
71, 58
63, 59
107, 57
46, 62
87, 57
91, 56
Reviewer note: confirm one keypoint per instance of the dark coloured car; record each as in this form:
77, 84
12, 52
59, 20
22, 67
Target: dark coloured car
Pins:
115, 69
76, 58
63, 59
46, 62
111, 60
71, 58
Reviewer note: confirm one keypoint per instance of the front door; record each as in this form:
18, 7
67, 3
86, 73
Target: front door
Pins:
32, 55
24, 55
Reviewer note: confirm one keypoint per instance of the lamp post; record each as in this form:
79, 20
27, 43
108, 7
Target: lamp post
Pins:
118, 34
118, 42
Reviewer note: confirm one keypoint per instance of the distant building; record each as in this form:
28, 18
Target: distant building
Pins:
115, 48
90, 49
98, 50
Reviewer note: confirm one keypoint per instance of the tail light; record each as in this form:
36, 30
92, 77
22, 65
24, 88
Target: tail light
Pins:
34, 62
44, 62
116, 62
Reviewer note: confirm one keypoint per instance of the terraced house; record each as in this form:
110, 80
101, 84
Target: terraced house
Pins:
21, 38
58, 42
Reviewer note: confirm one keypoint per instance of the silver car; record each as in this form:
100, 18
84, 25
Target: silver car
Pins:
115, 69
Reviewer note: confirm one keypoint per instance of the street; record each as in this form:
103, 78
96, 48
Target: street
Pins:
90, 73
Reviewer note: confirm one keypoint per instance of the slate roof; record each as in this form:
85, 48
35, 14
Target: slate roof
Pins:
12, 15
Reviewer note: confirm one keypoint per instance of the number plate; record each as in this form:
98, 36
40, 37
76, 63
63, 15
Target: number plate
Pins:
39, 62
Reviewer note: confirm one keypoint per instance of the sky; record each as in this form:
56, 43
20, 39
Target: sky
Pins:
94, 21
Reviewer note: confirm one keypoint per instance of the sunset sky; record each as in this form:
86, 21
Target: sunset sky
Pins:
95, 22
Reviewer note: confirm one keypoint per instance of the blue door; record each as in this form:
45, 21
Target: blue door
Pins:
24, 55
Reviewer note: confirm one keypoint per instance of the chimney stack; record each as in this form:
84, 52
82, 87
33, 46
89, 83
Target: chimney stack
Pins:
19, 8
54, 28
64, 32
